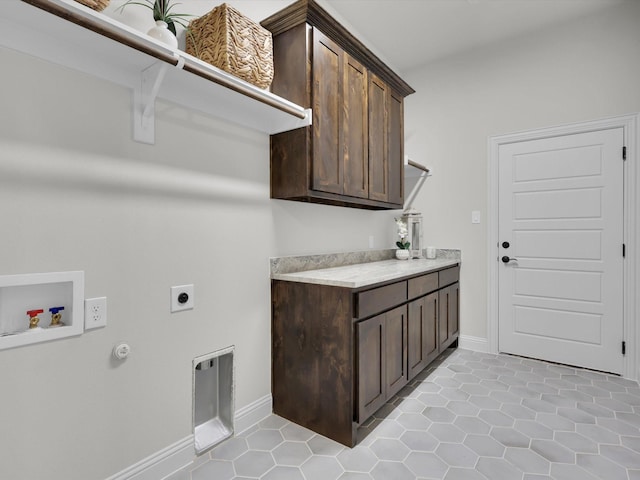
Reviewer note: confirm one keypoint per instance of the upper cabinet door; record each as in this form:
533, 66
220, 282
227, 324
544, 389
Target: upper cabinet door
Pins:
328, 65
396, 148
378, 140
355, 129
351, 155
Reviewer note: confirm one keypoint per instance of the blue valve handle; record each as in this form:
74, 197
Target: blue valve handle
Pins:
55, 310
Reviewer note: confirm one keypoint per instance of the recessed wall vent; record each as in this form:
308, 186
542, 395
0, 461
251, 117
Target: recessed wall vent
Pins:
213, 399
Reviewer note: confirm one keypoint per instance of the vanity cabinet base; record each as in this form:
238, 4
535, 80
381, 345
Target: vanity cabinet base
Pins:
312, 358
338, 354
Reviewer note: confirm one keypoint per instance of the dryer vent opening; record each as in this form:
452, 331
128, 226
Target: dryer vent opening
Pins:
213, 399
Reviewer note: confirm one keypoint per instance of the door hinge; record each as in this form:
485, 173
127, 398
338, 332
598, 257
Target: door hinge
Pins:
624, 153
624, 347
624, 250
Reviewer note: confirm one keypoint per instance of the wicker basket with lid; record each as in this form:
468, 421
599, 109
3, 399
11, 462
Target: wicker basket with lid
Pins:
97, 5
234, 43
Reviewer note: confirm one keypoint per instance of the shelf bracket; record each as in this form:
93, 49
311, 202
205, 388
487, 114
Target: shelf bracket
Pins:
144, 100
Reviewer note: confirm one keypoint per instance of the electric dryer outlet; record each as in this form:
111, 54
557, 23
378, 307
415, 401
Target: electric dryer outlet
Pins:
182, 298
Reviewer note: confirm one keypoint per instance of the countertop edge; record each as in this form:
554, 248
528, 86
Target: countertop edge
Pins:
378, 272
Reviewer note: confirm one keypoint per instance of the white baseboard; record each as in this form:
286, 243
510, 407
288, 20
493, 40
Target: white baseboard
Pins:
248, 416
160, 464
182, 453
477, 344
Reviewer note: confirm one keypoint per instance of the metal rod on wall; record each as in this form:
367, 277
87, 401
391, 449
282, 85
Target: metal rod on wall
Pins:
417, 165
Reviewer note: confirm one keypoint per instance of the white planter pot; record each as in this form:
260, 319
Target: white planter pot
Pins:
162, 33
402, 254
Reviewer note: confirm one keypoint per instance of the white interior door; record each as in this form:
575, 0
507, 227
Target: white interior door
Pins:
561, 275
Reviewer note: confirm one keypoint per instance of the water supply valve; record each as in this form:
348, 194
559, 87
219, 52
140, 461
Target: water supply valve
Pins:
33, 317
56, 316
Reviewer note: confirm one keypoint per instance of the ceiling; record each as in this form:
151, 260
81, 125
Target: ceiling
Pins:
409, 33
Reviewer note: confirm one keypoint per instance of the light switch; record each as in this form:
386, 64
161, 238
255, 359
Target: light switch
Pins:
475, 216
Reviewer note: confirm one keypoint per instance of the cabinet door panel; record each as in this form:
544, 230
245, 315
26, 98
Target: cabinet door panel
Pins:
416, 337
448, 312
396, 149
355, 128
371, 357
396, 349
327, 111
422, 339
431, 321
443, 317
454, 308
378, 140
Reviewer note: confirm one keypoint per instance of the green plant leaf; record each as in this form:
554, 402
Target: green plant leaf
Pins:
143, 3
161, 10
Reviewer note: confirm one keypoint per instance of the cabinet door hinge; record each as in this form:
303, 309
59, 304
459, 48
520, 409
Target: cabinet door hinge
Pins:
624, 153
624, 347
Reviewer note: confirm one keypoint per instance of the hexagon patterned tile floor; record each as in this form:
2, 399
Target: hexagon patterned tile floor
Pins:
468, 416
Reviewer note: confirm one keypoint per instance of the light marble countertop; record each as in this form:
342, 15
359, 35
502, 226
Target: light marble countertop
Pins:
365, 274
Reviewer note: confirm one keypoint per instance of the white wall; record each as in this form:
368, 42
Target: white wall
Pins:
76, 193
583, 70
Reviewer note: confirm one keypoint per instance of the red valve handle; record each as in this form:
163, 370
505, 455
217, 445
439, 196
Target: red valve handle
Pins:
34, 313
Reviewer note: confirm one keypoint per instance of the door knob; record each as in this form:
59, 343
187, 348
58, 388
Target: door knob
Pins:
506, 259
505, 244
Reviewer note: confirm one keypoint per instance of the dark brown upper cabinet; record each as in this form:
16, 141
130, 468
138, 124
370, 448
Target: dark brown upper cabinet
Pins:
353, 153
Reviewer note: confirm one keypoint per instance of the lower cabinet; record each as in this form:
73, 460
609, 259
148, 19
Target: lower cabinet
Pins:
396, 350
381, 359
339, 354
372, 358
449, 300
422, 342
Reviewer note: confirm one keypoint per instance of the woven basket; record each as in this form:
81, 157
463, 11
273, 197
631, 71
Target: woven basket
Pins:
97, 5
234, 43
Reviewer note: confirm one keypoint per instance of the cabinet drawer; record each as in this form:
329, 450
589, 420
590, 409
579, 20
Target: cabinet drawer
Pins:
448, 276
422, 285
379, 299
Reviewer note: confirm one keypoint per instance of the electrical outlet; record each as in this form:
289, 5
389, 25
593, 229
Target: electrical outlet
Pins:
182, 298
95, 313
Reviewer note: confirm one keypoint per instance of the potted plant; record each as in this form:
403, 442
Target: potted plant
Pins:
403, 246
165, 17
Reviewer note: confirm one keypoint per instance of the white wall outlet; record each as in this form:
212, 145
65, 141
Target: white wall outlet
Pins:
95, 313
182, 298
371, 241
